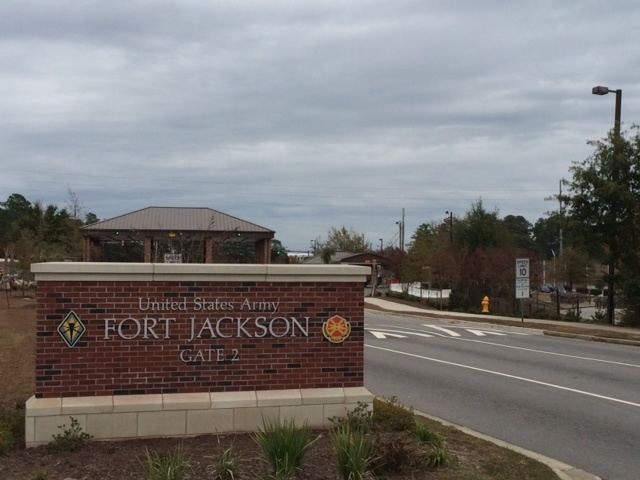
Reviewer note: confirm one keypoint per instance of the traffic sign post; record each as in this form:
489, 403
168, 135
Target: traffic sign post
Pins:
522, 282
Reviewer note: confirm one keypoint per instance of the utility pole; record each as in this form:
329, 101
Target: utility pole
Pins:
561, 211
450, 225
560, 216
380, 245
402, 247
400, 224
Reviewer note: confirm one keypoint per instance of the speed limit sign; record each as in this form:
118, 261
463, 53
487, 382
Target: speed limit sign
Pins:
522, 278
522, 268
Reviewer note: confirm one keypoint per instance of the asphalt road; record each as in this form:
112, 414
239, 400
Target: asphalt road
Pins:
572, 400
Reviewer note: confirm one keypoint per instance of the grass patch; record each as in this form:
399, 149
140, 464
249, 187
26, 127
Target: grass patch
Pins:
482, 460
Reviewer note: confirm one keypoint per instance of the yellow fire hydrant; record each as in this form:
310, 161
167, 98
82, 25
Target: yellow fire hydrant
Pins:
485, 305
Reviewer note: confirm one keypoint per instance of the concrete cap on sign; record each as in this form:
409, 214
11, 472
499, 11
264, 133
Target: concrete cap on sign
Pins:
215, 272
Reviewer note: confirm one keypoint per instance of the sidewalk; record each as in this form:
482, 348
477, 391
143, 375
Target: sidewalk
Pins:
589, 331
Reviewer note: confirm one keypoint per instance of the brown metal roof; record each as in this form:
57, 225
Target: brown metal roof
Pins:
177, 219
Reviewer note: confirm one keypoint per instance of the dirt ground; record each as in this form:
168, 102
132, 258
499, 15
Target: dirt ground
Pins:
17, 349
477, 459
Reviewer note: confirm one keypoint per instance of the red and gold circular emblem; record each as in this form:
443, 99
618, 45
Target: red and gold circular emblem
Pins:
336, 329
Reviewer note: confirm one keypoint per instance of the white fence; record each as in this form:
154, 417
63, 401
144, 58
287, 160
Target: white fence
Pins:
415, 290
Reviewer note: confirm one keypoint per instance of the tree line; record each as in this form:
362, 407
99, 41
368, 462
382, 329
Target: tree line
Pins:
599, 215
33, 232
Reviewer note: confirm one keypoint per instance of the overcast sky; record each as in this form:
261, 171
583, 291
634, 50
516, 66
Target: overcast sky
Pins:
301, 115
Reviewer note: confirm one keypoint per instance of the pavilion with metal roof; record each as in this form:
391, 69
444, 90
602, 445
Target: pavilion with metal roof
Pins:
154, 226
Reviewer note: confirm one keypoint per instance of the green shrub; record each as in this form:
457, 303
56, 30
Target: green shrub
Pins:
166, 466
226, 465
72, 438
389, 415
6, 439
284, 445
360, 418
355, 453
425, 435
599, 316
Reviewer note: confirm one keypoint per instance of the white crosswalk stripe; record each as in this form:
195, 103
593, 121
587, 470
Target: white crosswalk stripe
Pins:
398, 331
442, 329
385, 332
378, 334
483, 333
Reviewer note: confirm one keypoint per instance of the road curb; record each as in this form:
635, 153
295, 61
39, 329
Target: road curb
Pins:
561, 469
592, 338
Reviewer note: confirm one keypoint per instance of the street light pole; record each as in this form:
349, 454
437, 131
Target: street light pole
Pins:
600, 90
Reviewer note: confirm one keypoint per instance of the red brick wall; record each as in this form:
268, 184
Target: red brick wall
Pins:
96, 366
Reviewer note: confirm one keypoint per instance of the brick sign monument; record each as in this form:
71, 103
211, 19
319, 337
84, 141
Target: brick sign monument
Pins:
148, 350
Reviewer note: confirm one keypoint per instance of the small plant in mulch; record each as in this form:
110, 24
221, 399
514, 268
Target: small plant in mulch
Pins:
427, 436
226, 465
355, 453
359, 418
173, 465
40, 476
284, 445
70, 439
439, 456
435, 453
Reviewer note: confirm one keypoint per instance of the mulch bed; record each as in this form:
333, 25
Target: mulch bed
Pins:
478, 460
123, 460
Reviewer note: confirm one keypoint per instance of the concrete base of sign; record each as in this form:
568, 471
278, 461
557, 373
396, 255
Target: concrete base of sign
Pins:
184, 414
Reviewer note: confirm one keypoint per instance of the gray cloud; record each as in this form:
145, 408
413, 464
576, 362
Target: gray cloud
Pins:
300, 117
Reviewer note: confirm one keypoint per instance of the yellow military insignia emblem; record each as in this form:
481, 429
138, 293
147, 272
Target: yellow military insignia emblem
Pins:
336, 329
